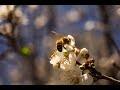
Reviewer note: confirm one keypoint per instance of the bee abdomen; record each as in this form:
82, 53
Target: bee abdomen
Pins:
59, 48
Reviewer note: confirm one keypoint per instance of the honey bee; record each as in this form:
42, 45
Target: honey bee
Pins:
61, 42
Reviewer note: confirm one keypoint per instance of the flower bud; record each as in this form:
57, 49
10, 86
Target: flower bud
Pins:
82, 67
84, 53
92, 61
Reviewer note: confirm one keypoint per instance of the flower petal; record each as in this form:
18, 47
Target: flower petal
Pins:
55, 60
72, 58
86, 79
68, 47
72, 40
65, 66
59, 56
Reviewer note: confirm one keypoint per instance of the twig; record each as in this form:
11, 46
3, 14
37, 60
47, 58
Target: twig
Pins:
94, 73
110, 78
78, 63
98, 76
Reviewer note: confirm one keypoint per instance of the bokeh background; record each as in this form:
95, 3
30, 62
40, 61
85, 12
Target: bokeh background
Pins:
26, 40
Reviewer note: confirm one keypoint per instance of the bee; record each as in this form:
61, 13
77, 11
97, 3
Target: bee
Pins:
61, 42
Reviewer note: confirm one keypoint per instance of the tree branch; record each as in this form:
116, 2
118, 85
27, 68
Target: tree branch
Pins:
110, 78
97, 75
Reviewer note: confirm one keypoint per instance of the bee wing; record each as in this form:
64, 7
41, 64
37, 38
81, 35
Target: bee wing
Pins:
57, 34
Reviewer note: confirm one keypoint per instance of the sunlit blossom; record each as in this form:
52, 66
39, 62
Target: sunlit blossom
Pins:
66, 60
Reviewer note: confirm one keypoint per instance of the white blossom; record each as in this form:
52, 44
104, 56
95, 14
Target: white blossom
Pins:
84, 51
66, 66
72, 40
3, 11
71, 77
72, 58
66, 61
56, 58
70, 63
86, 79
69, 47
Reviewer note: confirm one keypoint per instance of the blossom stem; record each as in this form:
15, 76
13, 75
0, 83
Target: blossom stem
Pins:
78, 63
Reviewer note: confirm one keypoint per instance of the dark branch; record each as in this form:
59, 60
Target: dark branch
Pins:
94, 73
110, 78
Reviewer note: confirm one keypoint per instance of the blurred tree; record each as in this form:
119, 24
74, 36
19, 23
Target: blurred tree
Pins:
109, 42
51, 12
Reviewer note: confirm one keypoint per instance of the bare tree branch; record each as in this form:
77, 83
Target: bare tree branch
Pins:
98, 75
110, 79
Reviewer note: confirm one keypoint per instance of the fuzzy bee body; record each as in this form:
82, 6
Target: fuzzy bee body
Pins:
61, 42
59, 45
59, 48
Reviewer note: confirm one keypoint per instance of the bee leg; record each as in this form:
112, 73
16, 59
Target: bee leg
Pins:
64, 47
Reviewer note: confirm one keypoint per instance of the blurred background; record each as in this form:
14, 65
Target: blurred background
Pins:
26, 40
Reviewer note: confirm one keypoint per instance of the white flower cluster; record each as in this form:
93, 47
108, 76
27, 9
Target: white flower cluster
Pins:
66, 61
5, 10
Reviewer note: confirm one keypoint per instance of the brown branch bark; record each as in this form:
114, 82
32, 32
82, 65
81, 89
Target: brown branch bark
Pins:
98, 75
110, 79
